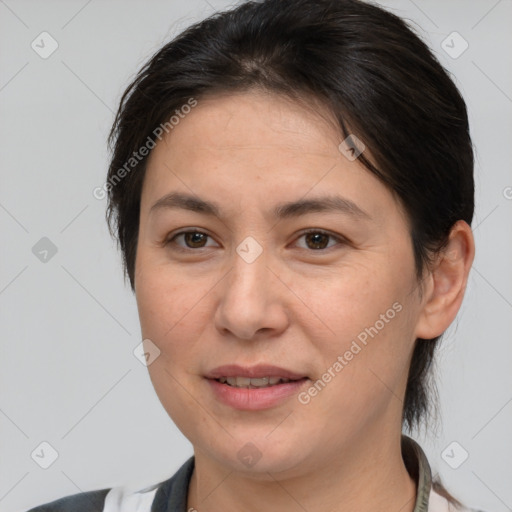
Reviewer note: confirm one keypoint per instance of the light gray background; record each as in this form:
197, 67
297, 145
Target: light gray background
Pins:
68, 374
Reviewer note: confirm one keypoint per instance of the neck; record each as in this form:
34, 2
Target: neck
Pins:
363, 477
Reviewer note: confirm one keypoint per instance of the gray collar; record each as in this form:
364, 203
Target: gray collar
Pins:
418, 467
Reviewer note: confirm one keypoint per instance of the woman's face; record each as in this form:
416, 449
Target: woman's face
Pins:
338, 307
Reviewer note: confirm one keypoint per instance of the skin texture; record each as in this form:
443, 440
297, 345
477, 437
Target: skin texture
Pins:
295, 306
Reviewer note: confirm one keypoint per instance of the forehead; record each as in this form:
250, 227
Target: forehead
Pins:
253, 121
256, 146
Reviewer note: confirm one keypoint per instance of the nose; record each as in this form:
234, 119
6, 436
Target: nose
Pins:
251, 300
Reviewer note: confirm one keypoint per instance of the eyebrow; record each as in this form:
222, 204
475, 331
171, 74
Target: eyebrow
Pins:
179, 200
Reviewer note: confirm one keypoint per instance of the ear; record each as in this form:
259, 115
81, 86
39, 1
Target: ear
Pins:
447, 283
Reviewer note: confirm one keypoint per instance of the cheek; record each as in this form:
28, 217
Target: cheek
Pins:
160, 294
172, 311
168, 310
346, 304
371, 342
367, 340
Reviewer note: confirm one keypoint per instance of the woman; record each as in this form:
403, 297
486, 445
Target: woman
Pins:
292, 189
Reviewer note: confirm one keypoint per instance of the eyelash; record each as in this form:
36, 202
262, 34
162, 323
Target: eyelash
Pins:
171, 241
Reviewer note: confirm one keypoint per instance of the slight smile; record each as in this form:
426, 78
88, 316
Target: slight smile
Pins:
254, 388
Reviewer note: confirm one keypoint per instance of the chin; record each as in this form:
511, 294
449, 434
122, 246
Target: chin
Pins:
258, 456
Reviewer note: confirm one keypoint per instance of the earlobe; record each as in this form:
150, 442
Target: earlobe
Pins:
449, 278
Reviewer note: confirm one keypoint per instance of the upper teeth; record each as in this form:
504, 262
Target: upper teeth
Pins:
246, 382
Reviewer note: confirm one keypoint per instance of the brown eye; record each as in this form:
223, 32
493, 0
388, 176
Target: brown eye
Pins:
192, 239
318, 240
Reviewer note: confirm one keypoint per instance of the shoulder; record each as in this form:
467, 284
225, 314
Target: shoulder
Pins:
105, 500
92, 501
170, 494
438, 503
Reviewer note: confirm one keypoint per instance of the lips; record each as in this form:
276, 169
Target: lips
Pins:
253, 372
254, 388
246, 382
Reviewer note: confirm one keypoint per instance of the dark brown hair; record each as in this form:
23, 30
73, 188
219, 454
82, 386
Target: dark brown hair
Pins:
373, 73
